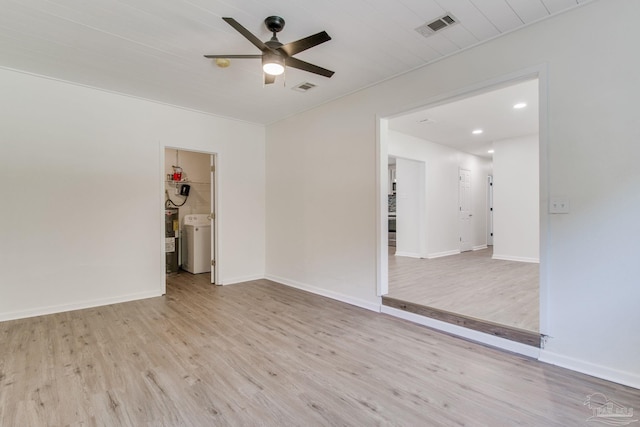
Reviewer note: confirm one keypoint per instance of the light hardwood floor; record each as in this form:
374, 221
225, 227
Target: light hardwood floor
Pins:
260, 353
472, 284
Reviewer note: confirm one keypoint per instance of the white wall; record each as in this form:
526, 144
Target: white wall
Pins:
516, 199
410, 209
82, 172
321, 202
441, 183
323, 162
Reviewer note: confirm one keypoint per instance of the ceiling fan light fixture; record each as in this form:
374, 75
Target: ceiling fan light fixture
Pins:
273, 68
273, 64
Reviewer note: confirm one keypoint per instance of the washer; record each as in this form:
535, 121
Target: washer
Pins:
196, 243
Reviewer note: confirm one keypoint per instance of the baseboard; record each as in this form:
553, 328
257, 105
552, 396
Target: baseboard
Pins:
241, 279
479, 247
516, 258
598, 371
480, 337
408, 254
325, 293
443, 254
42, 311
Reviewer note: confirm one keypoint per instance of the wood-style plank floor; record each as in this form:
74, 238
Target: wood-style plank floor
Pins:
471, 284
260, 353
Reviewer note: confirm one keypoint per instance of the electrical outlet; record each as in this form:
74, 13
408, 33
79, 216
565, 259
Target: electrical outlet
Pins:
559, 205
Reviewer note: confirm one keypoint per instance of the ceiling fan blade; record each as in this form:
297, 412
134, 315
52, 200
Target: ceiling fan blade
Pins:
233, 56
269, 79
305, 66
305, 43
246, 33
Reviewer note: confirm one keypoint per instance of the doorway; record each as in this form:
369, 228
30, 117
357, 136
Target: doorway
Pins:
189, 209
468, 207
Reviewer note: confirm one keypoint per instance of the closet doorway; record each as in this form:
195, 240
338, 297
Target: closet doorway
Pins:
189, 212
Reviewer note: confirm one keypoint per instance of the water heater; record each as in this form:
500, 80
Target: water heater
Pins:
171, 239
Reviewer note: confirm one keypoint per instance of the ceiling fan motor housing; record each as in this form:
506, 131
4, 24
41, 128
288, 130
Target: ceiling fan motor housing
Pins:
275, 24
273, 43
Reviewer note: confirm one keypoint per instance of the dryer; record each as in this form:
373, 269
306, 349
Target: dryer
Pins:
196, 243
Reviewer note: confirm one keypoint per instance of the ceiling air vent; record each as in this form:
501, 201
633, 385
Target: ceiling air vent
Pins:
303, 87
439, 24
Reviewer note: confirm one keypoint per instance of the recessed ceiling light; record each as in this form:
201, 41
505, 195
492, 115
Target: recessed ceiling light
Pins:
477, 131
519, 105
490, 151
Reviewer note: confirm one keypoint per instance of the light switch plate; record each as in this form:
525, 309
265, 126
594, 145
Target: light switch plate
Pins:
559, 205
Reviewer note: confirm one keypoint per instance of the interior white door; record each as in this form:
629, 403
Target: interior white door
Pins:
213, 218
465, 214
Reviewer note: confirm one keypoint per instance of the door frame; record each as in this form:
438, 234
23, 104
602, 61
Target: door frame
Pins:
539, 72
464, 243
490, 210
214, 203
213, 216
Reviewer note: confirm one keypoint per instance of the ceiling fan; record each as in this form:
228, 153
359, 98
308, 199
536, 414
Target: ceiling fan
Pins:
275, 55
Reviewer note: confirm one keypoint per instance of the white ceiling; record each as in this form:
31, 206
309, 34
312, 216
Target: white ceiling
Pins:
452, 123
153, 48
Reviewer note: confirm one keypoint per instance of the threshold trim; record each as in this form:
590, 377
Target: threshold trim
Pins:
506, 332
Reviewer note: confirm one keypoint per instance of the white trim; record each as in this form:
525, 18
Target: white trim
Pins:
382, 202
480, 337
162, 212
443, 254
409, 254
42, 311
599, 371
544, 172
241, 279
325, 293
479, 247
215, 226
516, 258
